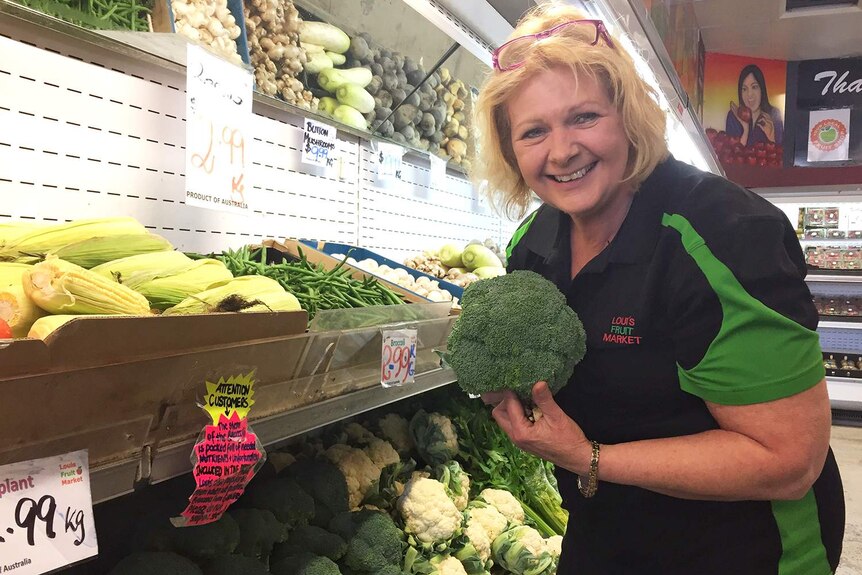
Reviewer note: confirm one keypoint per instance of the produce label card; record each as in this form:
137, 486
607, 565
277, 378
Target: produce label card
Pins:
319, 144
218, 113
438, 172
389, 161
398, 363
46, 514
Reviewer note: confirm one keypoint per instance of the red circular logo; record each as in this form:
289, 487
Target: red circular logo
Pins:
828, 134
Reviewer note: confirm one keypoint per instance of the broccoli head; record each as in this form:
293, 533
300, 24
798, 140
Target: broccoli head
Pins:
155, 563
197, 542
321, 479
235, 565
513, 331
373, 540
259, 530
305, 564
282, 496
313, 539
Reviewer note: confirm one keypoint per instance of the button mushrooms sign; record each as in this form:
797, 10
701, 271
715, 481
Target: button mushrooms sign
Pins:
318, 144
46, 514
218, 110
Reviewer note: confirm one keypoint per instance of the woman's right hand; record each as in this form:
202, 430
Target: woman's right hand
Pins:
734, 109
493, 398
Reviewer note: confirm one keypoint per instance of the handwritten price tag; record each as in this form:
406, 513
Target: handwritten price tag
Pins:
46, 514
319, 144
398, 365
218, 110
389, 161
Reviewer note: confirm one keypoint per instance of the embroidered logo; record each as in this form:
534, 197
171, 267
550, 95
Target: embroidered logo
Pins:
622, 331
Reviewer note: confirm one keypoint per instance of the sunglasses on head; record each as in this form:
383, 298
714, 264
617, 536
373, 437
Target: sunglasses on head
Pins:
512, 54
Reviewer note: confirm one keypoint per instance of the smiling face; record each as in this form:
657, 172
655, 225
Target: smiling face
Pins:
569, 143
751, 92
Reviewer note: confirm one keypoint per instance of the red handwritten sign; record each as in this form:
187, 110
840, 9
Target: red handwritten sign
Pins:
225, 461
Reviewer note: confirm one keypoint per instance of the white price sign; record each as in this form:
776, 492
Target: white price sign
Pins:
438, 172
398, 365
46, 514
319, 144
389, 161
218, 111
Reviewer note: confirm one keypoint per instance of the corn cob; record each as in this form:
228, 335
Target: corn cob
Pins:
264, 293
42, 240
98, 250
61, 287
10, 232
165, 278
135, 270
16, 309
48, 324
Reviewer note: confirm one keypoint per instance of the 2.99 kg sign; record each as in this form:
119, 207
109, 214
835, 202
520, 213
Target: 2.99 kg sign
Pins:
46, 514
218, 106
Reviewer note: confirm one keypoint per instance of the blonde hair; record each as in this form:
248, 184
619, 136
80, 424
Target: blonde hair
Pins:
643, 120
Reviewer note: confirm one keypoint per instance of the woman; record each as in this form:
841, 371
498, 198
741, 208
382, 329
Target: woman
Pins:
762, 122
694, 436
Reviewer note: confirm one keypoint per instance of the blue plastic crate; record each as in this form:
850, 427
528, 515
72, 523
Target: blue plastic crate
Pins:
238, 13
360, 254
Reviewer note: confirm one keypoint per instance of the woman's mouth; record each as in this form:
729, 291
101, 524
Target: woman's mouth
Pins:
574, 175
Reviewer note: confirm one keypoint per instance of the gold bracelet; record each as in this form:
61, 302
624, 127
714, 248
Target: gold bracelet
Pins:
593, 478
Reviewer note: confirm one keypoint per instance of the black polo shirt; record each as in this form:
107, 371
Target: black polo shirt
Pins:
700, 296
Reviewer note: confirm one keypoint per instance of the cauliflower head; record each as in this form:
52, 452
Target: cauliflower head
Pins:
505, 503
358, 469
450, 566
521, 549
554, 545
428, 513
435, 437
486, 515
381, 453
478, 536
396, 430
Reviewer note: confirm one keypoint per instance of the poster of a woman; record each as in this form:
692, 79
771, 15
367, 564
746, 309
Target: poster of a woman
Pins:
754, 119
744, 108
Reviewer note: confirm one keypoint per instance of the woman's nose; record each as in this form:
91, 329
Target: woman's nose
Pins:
564, 147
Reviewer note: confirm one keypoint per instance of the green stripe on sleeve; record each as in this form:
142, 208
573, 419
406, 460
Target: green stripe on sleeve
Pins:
520, 233
802, 552
758, 354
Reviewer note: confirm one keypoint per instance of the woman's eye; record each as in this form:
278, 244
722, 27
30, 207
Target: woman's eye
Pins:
586, 118
533, 133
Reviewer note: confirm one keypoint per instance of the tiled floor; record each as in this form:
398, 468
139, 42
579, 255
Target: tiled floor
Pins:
847, 445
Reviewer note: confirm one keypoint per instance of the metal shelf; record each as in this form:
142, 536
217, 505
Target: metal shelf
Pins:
839, 325
845, 393
119, 479
834, 278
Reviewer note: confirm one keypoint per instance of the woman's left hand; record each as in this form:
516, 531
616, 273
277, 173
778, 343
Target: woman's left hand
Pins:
554, 437
767, 125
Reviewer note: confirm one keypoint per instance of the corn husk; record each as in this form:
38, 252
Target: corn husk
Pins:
95, 251
49, 324
60, 287
10, 232
135, 270
16, 309
42, 240
223, 297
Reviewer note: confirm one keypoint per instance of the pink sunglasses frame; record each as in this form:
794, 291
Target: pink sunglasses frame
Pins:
601, 32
